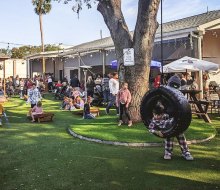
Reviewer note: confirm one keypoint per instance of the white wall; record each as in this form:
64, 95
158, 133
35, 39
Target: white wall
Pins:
14, 67
21, 68
9, 68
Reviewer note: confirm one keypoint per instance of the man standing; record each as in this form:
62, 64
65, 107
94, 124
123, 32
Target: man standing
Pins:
74, 82
114, 88
50, 83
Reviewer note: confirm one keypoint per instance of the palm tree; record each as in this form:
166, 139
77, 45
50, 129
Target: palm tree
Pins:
42, 7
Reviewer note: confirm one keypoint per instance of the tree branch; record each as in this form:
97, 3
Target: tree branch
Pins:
114, 19
146, 27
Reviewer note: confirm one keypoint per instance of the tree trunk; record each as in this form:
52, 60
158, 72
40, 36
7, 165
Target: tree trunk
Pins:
143, 39
42, 41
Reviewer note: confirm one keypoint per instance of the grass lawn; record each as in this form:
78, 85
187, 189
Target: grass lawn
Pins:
105, 128
45, 157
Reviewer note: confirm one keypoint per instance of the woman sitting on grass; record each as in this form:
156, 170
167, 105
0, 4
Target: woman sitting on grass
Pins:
86, 110
78, 103
36, 110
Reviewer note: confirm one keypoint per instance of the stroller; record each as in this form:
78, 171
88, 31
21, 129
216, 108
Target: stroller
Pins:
97, 96
60, 93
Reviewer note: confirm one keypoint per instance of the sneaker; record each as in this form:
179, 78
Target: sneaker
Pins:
129, 123
120, 123
187, 156
167, 157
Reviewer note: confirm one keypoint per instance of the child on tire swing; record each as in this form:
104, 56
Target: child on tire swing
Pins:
175, 82
160, 120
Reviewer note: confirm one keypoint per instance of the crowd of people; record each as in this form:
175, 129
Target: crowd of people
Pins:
75, 95
96, 91
187, 81
20, 86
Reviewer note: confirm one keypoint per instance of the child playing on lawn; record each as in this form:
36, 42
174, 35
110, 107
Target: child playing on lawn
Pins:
36, 110
123, 100
86, 110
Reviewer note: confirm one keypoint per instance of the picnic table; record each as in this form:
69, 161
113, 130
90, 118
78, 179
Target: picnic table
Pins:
200, 106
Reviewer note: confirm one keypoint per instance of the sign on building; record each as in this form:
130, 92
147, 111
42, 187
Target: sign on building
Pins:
128, 56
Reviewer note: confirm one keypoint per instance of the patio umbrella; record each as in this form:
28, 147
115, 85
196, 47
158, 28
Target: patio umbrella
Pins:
190, 64
155, 64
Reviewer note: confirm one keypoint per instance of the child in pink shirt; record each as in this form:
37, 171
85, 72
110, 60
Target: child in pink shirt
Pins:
123, 100
36, 110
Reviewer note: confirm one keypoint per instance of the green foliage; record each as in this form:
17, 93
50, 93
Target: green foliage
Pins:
42, 6
78, 4
51, 48
17, 53
21, 52
4, 51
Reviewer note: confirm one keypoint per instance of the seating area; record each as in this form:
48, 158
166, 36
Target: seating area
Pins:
44, 117
215, 103
93, 110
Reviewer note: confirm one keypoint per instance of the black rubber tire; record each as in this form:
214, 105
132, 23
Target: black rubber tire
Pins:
176, 106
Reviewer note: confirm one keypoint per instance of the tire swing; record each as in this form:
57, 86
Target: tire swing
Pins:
176, 106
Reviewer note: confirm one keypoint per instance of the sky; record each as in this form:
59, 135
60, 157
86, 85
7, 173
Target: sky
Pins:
20, 24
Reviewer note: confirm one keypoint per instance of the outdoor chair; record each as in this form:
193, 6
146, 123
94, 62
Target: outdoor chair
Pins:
215, 102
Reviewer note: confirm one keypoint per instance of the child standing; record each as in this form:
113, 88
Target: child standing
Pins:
36, 110
123, 100
86, 110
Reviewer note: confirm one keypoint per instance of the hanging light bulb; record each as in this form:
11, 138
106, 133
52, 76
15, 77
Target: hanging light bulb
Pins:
91, 55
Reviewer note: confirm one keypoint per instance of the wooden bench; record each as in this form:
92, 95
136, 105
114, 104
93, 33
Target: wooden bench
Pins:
93, 110
44, 117
201, 109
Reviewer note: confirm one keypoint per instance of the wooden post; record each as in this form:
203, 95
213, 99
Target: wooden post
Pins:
103, 61
200, 72
79, 71
4, 78
44, 66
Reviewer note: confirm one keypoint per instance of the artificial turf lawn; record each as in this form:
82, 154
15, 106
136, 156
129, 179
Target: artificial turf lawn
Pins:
44, 156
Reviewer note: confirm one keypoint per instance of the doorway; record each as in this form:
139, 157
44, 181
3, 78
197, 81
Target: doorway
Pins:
61, 75
73, 72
